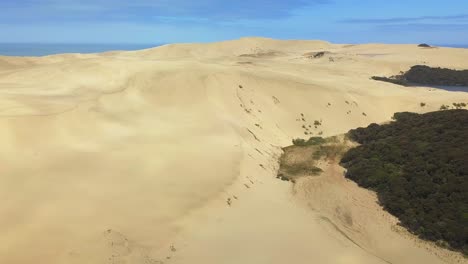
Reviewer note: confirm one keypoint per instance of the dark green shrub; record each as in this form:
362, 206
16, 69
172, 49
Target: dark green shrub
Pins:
425, 75
313, 141
424, 45
422, 74
418, 165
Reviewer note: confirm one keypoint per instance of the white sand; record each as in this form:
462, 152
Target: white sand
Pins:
131, 157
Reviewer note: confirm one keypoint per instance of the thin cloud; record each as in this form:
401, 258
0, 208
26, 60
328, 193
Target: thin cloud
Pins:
52, 10
404, 19
423, 27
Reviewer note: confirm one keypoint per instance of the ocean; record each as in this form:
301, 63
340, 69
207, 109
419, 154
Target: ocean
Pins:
453, 46
41, 49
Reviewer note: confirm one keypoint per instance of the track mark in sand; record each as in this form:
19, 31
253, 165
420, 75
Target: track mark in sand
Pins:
250, 180
253, 134
120, 246
261, 153
122, 249
328, 221
243, 105
275, 100
173, 249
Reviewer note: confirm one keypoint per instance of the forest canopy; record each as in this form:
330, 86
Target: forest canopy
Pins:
425, 75
422, 74
418, 165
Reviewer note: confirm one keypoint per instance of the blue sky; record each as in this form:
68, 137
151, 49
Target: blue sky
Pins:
167, 21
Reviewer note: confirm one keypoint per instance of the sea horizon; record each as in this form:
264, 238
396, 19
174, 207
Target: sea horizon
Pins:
462, 46
45, 49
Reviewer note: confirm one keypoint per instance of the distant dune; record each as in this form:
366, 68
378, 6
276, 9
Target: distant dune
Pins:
169, 155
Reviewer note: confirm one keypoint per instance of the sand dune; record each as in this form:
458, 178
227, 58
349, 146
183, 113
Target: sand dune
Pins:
169, 155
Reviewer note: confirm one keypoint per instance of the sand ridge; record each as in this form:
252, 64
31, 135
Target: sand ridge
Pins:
169, 155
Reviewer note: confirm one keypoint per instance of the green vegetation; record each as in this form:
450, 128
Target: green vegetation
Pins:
313, 141
305, 169
329, 151
418, 165
300, 160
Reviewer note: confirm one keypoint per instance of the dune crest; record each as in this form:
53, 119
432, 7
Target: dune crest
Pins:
169, 155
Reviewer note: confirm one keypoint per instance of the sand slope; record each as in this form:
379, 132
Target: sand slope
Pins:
169, 155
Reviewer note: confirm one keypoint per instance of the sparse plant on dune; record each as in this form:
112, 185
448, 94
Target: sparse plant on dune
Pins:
459, 105
444, 107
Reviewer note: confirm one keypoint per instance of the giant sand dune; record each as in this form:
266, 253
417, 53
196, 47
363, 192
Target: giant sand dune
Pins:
170, 155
